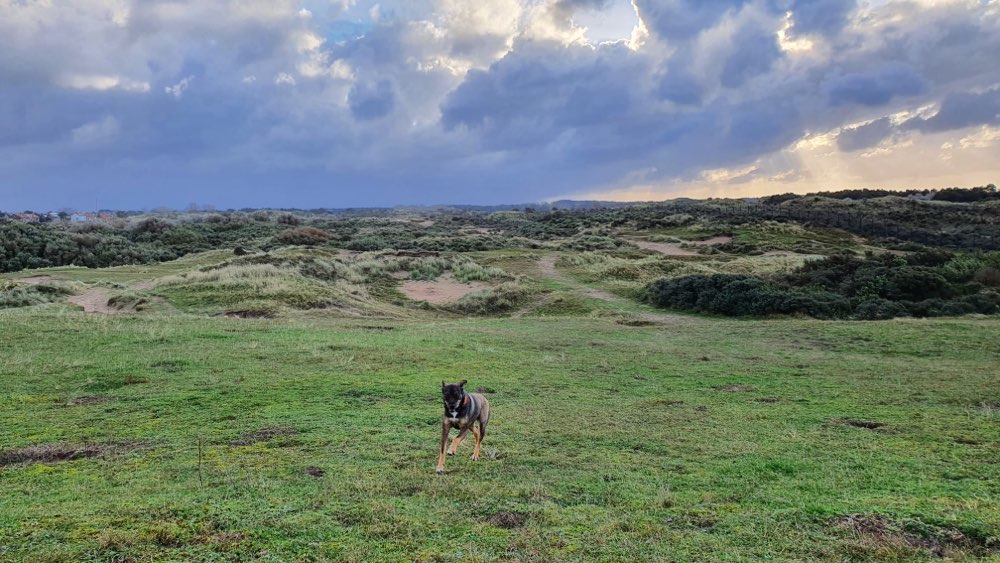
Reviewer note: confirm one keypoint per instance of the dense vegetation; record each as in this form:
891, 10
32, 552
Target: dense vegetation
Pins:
149, 239
917, 278
882, 286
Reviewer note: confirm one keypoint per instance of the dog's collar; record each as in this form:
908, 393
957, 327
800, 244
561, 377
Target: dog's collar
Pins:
465, 399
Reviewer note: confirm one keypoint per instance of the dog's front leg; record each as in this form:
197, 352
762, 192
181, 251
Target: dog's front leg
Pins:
458, 441
445, 429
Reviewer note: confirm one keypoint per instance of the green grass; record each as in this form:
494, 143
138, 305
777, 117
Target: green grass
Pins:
614, 443
127, 274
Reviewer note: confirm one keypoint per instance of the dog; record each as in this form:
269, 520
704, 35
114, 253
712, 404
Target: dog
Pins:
462, 410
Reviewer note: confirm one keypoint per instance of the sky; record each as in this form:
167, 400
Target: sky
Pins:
137, 104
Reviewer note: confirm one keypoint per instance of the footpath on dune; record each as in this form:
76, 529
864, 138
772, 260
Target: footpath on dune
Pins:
546, 266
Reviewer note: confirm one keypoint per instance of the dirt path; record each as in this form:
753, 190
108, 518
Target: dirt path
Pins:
547, 268
93, 301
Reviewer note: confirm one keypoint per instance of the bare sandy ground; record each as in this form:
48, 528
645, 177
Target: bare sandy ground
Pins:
440, 291
93, 301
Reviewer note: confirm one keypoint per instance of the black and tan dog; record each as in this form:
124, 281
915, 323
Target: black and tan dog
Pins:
462, 410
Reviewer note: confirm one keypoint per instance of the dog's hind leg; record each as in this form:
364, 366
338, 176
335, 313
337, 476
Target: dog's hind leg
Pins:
478, 431
457, 441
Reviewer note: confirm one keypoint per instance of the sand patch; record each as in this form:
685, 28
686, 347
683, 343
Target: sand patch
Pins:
94, 301
443, 290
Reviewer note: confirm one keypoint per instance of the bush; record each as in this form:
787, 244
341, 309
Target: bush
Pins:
306, 236
289, 219
879, 309
735, 295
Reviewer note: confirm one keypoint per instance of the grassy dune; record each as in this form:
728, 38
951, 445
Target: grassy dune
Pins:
699, 440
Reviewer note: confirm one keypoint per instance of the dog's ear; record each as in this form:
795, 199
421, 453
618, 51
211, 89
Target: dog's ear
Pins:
443, 385
462, 384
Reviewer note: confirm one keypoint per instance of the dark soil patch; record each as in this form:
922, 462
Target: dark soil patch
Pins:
249, 314
377, 328
485, 390
507, 519
88, 400
858, 423
263, 435
768, 400
733, 388
877, 532
52, 453
314, 471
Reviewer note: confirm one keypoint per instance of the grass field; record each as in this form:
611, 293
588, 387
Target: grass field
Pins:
178, 437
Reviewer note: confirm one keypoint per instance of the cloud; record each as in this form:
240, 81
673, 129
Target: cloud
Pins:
177, 90
874, 88
95, 132
821, 16
865, 136
961, 109
283, 78
372, 101
494, 100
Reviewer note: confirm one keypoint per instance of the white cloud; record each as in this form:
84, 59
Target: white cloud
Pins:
177, 90
985, 137
283, 78
99, 82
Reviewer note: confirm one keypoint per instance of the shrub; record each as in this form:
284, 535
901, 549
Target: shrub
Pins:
306, 236
878, 309
289, 219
